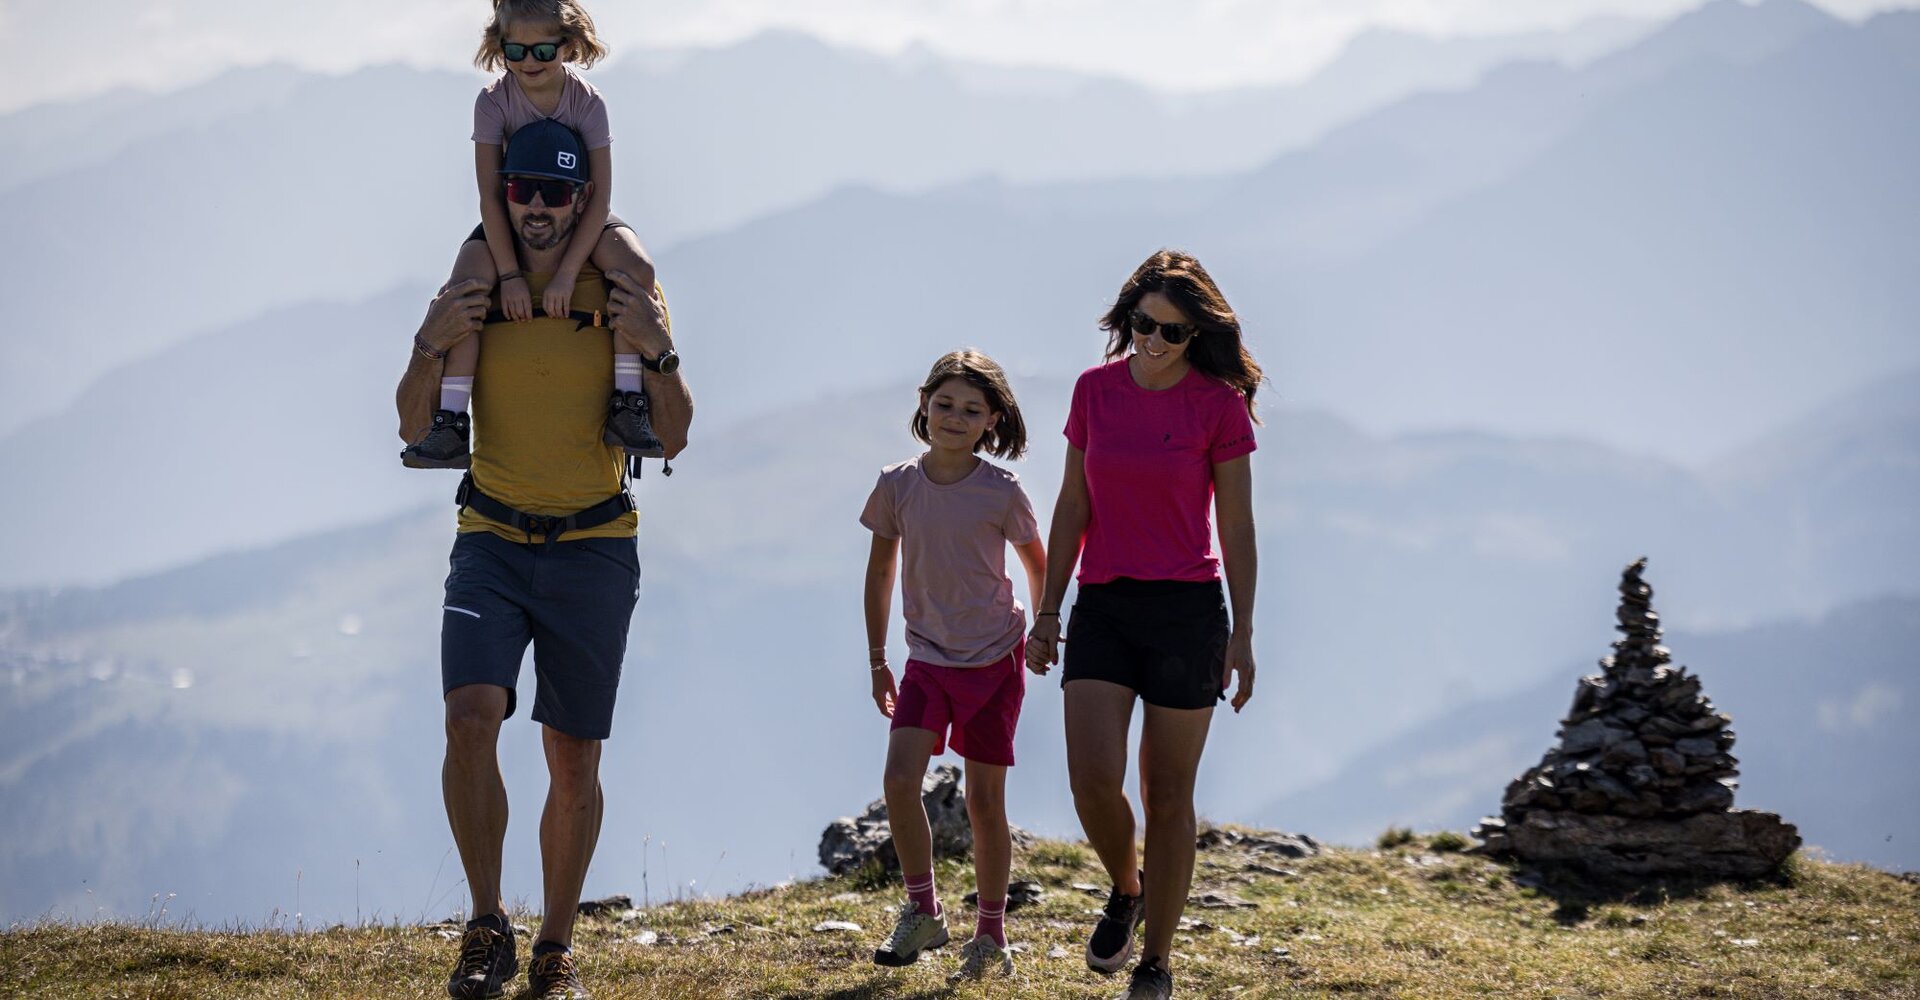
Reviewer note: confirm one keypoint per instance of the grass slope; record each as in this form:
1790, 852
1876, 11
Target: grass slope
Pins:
1400, 921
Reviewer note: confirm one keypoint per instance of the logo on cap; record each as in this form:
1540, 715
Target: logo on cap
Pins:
566, 160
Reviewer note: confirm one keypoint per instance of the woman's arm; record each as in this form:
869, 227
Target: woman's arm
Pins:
879, 605
1064, 538
1233, 510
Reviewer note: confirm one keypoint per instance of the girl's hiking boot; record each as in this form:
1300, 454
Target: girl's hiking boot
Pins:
1112, 941
912, 934
443, 447
553, 976
980, 958
630, 426
487, 963
1151, 981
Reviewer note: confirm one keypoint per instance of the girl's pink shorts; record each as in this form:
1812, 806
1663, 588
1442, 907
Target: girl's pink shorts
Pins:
979, 705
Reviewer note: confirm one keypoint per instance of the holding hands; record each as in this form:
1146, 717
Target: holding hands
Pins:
1043, 643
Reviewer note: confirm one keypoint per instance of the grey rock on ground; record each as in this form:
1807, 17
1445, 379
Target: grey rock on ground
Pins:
850, 842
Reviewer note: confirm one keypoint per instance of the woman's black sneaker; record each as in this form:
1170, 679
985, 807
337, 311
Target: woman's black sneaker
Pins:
487, 963
1151, 981
1112, 941
443, 447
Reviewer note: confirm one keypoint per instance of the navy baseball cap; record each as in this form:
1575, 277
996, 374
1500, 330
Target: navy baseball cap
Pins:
546, 148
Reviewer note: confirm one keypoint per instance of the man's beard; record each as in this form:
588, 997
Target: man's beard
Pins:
557, 231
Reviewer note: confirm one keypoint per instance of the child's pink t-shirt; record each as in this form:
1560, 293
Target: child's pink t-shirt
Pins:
954, 589
1149, 468
503, 109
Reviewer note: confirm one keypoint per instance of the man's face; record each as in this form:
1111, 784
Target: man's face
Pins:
539, 225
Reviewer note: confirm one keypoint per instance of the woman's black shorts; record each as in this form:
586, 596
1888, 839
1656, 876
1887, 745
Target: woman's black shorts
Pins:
1165, 639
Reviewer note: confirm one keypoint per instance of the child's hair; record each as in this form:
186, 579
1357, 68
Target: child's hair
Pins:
1007, 438
581, 43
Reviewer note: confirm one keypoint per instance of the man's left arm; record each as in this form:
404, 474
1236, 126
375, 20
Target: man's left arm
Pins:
641, 315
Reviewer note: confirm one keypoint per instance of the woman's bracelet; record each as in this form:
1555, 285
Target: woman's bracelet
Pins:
1046, 614
420, 344
510, 275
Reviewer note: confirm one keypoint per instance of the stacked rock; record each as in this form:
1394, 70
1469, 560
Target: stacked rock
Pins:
1641, 743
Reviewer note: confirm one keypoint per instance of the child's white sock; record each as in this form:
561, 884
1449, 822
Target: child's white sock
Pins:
626, 372
455, 391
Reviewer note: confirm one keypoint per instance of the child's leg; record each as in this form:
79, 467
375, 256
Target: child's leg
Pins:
620, 250
908, 751
463, 358
992, 846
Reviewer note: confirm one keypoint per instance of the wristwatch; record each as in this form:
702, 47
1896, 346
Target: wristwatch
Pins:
666, 364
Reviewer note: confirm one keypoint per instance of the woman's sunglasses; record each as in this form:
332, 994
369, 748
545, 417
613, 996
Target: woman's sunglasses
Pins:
544, 51
1172, 333
553, 194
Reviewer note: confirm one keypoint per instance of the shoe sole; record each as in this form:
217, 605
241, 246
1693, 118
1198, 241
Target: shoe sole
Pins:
1109, 966
893, 961
414, 462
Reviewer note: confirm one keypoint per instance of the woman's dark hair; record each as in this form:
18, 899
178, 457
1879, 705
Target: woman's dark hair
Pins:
1216, 349
1007, 438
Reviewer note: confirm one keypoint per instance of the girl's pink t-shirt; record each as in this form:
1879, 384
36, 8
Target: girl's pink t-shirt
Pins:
1149, 467
503, 109
954, 589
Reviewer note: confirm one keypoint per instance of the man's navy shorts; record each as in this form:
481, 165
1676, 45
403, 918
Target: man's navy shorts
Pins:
573, 600
1165, 639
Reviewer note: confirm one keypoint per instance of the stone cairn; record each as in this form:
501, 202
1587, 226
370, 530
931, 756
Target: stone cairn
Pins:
1642, 781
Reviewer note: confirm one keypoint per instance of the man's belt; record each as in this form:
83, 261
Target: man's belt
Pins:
581, 318
542, 524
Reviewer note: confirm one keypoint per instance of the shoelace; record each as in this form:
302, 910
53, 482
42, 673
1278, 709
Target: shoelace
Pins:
909, 922
980, 954
476, 950
558, 969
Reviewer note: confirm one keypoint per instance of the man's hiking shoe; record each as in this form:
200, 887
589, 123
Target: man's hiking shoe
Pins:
1112, 941
980, 958
443, 447
914, 933
487, 963
552, 976
1151, 981
630, 425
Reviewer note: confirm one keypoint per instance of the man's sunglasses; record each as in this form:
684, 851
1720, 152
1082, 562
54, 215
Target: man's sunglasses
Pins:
544, 51
1172, 333
553, 194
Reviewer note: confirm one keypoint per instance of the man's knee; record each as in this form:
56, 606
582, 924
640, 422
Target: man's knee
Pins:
573, 764
474, 715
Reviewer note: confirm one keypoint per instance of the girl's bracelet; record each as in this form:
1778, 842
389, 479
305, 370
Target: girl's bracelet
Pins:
510, 275
878, 665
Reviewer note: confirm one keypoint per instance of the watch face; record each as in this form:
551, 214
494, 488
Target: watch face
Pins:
669, 363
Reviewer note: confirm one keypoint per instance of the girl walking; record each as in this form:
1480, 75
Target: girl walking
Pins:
537, 43
1153, 436
946, 517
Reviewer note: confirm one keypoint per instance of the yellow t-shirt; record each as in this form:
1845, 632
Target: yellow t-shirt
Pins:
539, 408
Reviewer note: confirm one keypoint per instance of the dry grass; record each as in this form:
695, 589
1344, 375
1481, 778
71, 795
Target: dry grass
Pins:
1398, 922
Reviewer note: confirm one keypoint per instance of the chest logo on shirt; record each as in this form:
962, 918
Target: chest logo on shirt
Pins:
566, 161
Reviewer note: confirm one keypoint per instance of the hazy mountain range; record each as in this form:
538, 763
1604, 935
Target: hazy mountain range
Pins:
1648, 294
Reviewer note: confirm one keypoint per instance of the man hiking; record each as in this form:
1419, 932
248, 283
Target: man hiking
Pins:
545, 552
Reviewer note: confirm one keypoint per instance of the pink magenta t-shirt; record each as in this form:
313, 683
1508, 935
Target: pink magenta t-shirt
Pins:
503, 109
959, 604
1149, 464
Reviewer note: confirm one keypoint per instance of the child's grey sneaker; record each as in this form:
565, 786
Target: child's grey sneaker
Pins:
630, 425
912, 934
1151, 981
1111, 943
980, 958
443, 447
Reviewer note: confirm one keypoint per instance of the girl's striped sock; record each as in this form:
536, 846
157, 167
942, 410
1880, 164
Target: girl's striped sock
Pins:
920, 894
993, 920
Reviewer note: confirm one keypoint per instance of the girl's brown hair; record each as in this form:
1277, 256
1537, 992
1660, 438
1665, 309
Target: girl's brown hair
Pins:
580, 42
1216, 349
1007, 438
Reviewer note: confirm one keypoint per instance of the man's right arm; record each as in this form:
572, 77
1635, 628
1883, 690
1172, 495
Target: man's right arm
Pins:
455, 314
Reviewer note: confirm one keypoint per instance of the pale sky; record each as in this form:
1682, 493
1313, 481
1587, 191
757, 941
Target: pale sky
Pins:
72, 48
